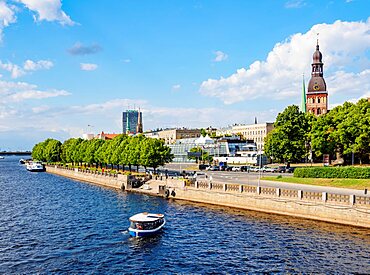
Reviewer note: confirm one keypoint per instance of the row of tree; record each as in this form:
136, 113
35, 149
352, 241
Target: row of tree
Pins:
122, 150
343, 133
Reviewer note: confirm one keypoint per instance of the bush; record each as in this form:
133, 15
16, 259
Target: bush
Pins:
333, 172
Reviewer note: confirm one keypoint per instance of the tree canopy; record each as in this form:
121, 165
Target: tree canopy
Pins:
342, 131
288, 141
122, 150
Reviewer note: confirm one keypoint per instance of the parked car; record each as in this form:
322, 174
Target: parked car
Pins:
267, 169
274, 169
245, 168
290, 170
281, 169
236, 169
213, 168
254, 169
225, 168
203, 166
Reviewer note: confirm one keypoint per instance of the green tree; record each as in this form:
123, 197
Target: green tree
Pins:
154, 153
103, 154
343, 131
361, 116
204, 156
134, 155
52, 150
70, 150
288, 141
93, 146
115, 150
203, 132
37, 151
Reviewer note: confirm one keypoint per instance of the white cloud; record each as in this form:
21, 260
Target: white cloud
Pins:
88, 66
128, 60
106, 107
25, 95
30, 65
15, 70
40, 109
48, 10
7, 16
80, 49
20, 91
344, 45
295, 4
176, 87
220, 56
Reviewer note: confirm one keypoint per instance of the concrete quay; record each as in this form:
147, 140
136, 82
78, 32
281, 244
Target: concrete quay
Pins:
351, 210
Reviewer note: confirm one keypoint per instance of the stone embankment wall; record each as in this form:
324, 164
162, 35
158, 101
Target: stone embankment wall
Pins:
323, 206
116, 181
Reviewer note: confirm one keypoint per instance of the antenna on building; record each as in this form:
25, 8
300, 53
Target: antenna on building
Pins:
317, 38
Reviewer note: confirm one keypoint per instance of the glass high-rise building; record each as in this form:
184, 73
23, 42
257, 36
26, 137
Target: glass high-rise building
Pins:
132, 122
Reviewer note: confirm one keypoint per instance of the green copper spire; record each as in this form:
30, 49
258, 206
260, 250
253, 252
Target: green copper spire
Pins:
303, 104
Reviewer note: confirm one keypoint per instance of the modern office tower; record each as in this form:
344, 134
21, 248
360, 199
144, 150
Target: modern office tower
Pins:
132, 122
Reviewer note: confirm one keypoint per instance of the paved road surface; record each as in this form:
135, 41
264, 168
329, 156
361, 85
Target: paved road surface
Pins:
252, 179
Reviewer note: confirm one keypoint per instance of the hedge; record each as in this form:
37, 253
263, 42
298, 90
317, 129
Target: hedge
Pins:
333, 172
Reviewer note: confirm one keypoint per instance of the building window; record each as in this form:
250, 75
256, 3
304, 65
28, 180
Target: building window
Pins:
318, 100
318, 111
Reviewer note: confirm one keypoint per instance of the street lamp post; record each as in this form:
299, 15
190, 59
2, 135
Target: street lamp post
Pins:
259, 174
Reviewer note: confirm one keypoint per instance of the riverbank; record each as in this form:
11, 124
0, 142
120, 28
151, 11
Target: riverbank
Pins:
343, 209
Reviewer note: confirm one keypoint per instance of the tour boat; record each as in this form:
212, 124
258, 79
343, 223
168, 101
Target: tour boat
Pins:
22, 161
1, 157
34, 166
146, 224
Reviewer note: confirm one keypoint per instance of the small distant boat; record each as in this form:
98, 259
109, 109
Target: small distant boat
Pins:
35, 166
146, 224
1, 157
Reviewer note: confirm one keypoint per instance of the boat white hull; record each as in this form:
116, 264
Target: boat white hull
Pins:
35, 167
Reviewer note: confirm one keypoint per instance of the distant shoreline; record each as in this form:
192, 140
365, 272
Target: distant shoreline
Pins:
16, 153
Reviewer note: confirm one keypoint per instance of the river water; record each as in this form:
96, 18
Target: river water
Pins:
50, 224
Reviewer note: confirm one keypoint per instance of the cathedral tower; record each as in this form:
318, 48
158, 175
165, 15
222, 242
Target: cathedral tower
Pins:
317, 95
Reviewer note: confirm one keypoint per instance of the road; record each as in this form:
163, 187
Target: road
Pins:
252, 179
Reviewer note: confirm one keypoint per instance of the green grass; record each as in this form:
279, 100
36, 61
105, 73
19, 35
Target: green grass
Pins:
341, 183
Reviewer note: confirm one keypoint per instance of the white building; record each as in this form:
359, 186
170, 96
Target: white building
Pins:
255, 132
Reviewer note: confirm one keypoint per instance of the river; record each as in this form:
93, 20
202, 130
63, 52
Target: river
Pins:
51, 224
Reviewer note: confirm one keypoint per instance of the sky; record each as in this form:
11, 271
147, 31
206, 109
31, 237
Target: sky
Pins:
71, 67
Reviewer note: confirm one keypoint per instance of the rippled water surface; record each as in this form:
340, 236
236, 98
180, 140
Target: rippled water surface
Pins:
50, 224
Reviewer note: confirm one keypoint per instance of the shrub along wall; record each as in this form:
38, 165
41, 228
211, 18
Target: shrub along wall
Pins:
333, 172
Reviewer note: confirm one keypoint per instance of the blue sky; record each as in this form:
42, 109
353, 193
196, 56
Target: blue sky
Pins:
68, 64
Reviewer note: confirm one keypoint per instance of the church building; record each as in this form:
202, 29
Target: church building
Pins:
317, 95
